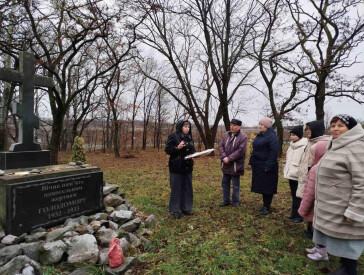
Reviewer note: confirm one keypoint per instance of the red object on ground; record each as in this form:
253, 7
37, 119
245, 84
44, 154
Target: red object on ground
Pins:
116, 256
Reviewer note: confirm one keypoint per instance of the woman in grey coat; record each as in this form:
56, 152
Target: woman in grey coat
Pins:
339, 197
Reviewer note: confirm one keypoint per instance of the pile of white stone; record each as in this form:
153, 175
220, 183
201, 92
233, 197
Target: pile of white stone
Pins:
81, 240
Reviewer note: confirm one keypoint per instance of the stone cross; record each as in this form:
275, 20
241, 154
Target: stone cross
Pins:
25, 110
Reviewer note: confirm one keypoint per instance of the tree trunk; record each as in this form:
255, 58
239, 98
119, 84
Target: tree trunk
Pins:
103, 138
55, 142
95, 143
108, 143
320, 100
210, 141
132, 133
74, 132
4, 108
65, 133
157, 138
145, 134
8, 90
3, 137
155, 134
116, 139
225, 111
111, 137
280, 133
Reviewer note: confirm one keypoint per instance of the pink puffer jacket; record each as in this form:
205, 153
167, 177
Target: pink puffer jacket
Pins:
307, 204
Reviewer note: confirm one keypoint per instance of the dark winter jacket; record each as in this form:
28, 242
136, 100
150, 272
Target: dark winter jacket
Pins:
264, 162
233, 147
177, 162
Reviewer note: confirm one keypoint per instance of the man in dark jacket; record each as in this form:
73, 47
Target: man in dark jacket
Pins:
232, 155
179, 145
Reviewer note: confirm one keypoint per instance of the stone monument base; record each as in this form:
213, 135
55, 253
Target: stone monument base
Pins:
14, 160
32, 200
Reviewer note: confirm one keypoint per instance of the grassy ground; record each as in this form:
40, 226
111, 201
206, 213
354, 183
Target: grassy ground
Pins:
229, 240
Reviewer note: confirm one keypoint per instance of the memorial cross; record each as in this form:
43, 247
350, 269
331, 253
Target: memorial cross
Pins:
25, 110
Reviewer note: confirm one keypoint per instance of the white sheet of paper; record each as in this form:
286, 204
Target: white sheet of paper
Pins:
199, 154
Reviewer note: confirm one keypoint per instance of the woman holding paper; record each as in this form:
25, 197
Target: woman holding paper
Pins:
179, 145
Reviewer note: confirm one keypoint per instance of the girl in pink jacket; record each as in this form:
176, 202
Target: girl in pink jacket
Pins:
319, 252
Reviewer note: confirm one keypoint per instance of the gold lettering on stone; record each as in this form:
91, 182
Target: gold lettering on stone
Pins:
64, 197
60, 206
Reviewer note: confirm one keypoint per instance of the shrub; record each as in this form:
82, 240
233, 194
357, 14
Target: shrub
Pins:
78, 151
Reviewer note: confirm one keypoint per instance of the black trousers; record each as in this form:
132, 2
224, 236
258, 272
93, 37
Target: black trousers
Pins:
296, 201
349, 265
310, 228
181, 192
267, 200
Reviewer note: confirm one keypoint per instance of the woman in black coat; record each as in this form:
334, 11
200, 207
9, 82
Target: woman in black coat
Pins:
179, 145
264, 163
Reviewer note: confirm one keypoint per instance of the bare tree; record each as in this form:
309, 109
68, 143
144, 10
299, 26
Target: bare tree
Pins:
160, 114
203, 45
329, 31
113, 90
271, 48
85, 105
226, 27
107, 125
7, 15
149, 90
5, 102
137, 86
60, 33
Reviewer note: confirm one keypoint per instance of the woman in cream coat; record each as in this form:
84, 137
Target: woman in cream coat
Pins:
339, 207
293, 160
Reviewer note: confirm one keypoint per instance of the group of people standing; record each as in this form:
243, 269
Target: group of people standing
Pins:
325, 174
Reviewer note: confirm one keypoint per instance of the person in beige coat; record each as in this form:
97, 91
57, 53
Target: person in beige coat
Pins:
339, 207
290, 171
315, 131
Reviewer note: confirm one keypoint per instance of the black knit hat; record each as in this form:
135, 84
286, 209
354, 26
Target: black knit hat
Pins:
297, 130
349, 121
236, 121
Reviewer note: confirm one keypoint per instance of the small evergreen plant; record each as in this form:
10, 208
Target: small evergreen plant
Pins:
78, 151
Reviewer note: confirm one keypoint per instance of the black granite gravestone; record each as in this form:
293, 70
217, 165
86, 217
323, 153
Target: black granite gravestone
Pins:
31, 200
25, 153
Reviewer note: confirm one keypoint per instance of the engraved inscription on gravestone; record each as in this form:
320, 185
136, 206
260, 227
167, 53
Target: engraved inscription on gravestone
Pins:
49, 201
